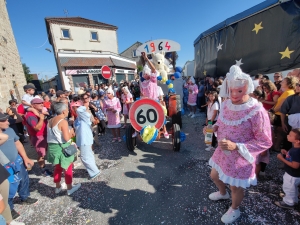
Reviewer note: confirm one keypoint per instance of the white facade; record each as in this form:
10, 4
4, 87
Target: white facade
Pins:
80, 39
189, 69
81, 47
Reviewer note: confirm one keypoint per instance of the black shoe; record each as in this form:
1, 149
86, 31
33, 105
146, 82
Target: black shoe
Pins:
29, 201
14, 214
47, 173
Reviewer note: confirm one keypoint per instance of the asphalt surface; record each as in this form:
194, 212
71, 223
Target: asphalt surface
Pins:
152, 185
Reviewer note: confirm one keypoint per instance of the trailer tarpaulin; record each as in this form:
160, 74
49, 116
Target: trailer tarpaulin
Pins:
262, 39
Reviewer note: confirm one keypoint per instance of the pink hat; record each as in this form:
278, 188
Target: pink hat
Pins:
78, 103
37, 101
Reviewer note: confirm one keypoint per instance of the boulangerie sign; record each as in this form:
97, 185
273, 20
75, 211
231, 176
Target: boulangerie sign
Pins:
83, 71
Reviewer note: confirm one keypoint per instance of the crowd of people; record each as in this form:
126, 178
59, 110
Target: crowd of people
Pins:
61, 125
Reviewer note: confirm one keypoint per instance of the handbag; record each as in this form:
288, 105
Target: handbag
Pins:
96, 121
67, 151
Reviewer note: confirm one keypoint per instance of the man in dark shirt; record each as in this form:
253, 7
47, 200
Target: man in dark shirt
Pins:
291, 178
17, 157
278, 80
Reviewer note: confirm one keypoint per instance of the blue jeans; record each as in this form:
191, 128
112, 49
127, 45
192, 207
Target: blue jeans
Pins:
88, 160
22, 186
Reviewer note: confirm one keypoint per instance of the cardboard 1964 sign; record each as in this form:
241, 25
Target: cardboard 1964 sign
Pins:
146, 112
158, 46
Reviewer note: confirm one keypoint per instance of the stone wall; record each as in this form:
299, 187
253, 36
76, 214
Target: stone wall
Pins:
11, 71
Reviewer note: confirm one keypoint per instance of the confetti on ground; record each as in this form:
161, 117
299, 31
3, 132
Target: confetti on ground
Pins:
152, 185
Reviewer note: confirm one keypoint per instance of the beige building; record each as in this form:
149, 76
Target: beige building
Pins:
81, 47
11, 71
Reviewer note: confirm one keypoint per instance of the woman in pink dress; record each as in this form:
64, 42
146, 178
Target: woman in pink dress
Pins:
244, 131
127, 100
149, 85
112, 109
193, 92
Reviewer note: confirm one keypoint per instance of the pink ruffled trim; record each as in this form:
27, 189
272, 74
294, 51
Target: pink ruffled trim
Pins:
230, 180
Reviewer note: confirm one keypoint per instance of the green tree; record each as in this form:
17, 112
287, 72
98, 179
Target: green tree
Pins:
26, 70
139, 68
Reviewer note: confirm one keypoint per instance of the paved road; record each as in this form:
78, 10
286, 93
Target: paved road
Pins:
152, 185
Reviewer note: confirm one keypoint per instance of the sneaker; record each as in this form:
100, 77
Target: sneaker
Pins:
46, 173
193, 115
282, 204
74, 188
16, 223
93, 177
114, 140
207, 149
14, 214
190, 114
135, 134
166, 135
58, 190
231, 215
29, 201
119, 139
215, 196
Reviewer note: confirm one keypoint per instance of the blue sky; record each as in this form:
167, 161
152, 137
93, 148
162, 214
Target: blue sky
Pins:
137, 20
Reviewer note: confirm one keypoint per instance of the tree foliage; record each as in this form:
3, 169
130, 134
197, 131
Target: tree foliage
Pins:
26, 70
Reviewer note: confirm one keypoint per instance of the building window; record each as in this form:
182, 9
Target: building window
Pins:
94, 36
66, 33
119, 77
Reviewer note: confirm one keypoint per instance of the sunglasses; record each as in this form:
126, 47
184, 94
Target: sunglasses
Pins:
276, 76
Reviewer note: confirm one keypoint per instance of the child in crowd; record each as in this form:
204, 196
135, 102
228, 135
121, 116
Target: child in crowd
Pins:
27, 98
193, 92
257, 94
261, 163
127, 100
212, 116
185, 97
291, 178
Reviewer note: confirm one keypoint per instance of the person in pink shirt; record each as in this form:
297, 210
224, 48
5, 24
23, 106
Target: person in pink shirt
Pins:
244, 131
149, 85
127, 100
112, 108
193, 92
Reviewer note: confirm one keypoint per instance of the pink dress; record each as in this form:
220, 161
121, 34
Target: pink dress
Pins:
192, 96
113, 118
126, 107
249, 127
149, 87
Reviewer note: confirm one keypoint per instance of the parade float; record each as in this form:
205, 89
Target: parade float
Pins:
147, 115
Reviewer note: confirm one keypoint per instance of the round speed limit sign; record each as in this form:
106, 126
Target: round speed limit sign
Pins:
146, 112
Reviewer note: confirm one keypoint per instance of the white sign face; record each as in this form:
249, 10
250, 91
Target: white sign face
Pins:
146, 115
156, 46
